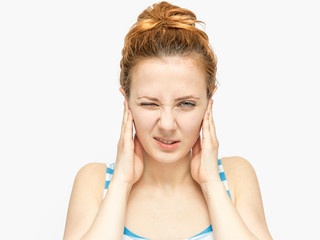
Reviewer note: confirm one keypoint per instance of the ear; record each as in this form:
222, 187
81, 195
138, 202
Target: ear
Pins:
213, 91
123, 92
125, 95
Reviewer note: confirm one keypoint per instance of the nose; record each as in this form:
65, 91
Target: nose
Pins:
167, 120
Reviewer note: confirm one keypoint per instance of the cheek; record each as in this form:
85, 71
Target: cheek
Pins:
190, 123
143, 120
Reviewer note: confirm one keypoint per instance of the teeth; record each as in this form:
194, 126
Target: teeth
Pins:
166, 142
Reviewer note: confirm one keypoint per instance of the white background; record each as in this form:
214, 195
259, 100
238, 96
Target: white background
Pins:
60, 107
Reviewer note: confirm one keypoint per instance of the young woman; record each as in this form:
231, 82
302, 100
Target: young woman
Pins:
167, 182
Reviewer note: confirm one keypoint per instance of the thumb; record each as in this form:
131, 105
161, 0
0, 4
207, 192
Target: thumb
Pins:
137, 146
196, 147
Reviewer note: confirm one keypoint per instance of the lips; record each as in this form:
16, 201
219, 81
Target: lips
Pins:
166, 143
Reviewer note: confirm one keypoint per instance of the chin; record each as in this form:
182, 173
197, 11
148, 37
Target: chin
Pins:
167, 157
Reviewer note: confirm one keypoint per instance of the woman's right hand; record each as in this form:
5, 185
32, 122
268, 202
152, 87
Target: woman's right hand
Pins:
129, 163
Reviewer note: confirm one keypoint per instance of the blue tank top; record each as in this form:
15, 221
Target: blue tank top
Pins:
206, 234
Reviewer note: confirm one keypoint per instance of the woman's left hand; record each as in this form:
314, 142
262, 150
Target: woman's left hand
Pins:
204, 161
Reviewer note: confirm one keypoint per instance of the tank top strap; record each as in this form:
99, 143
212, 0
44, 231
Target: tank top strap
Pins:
223, 177
110, 169
109, 174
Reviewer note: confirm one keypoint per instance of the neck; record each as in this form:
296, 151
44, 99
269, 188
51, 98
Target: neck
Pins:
167, 177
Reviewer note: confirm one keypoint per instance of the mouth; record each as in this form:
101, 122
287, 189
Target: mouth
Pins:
166, 143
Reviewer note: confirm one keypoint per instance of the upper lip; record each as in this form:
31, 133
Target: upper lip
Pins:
167, 140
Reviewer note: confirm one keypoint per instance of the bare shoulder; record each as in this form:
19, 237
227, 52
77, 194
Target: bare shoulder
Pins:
239, 172
244, 186
92, 170
235, 162
236, 166
91, 177
86, 197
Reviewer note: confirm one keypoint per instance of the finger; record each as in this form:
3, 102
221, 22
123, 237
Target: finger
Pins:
125, 111
125, 117
206, 135
128, 126
196, 147
212, 127
211, 123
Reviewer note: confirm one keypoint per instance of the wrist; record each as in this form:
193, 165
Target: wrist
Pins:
118, 184
211, 186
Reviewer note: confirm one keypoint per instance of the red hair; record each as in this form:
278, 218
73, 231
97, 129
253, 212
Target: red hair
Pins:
164, 30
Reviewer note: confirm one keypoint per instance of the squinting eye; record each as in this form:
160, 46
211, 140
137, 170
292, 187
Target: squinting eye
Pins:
187, 104
149, 104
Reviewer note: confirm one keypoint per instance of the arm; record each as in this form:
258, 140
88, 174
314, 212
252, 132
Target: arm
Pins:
245, 220
88, 217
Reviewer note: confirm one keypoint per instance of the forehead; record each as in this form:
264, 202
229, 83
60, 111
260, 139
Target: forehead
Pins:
169, 76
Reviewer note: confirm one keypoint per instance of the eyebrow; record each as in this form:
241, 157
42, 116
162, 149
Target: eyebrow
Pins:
177, 99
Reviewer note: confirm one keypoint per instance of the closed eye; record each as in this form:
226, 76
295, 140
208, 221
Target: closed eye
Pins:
148, 104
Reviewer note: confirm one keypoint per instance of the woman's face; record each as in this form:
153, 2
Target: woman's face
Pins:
168, 98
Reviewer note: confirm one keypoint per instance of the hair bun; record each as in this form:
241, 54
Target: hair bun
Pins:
166, 15
164, 30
